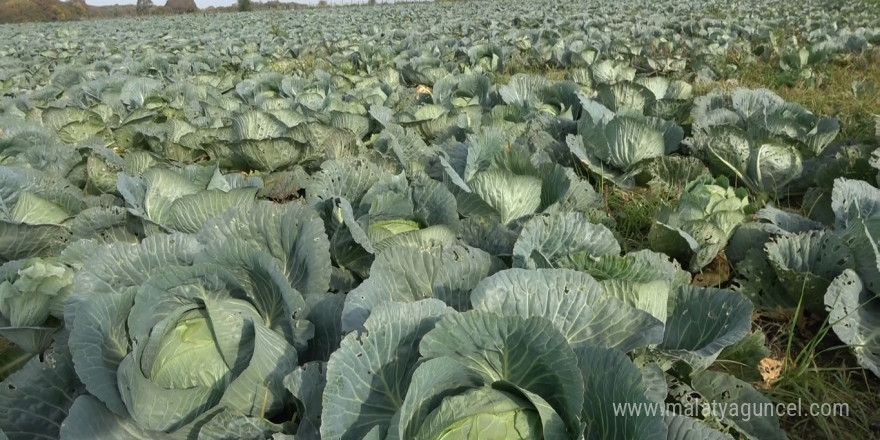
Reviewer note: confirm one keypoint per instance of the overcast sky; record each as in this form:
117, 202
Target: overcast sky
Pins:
206, 3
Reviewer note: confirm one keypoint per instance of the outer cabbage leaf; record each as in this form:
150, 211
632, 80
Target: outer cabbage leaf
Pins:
574, 302
612, 380
370, 373
703, 321
486, 343
807, 263
89, 418
409, 273
547, 240
852, 200
35, 400
307, 383
433, 382
501, 194
854, 315
293, 234
724, 389
686, 428
183, 200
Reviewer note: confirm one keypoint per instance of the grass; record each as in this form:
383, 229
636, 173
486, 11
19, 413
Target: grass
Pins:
633, 212
819, 369
551, 73
831, 387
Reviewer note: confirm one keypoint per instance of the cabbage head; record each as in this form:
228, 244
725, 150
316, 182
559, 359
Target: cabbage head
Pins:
32, 295
169, 340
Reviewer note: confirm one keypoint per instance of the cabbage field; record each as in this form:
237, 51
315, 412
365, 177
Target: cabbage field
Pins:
418, 221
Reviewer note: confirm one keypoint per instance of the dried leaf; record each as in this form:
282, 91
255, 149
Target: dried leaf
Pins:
770, 370
715, 274
422, 90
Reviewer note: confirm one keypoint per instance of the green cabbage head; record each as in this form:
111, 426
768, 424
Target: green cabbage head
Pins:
32, 293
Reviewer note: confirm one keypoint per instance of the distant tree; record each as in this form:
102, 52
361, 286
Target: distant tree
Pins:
58, 13
244, 5
81, 9
20, 11
181, 6
143, 6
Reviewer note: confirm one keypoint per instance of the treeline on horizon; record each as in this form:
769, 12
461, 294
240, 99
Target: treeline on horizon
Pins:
26, 11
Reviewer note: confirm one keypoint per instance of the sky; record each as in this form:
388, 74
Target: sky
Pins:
206, 3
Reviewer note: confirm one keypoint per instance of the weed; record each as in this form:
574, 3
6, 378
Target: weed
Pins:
818, 370
633, 212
